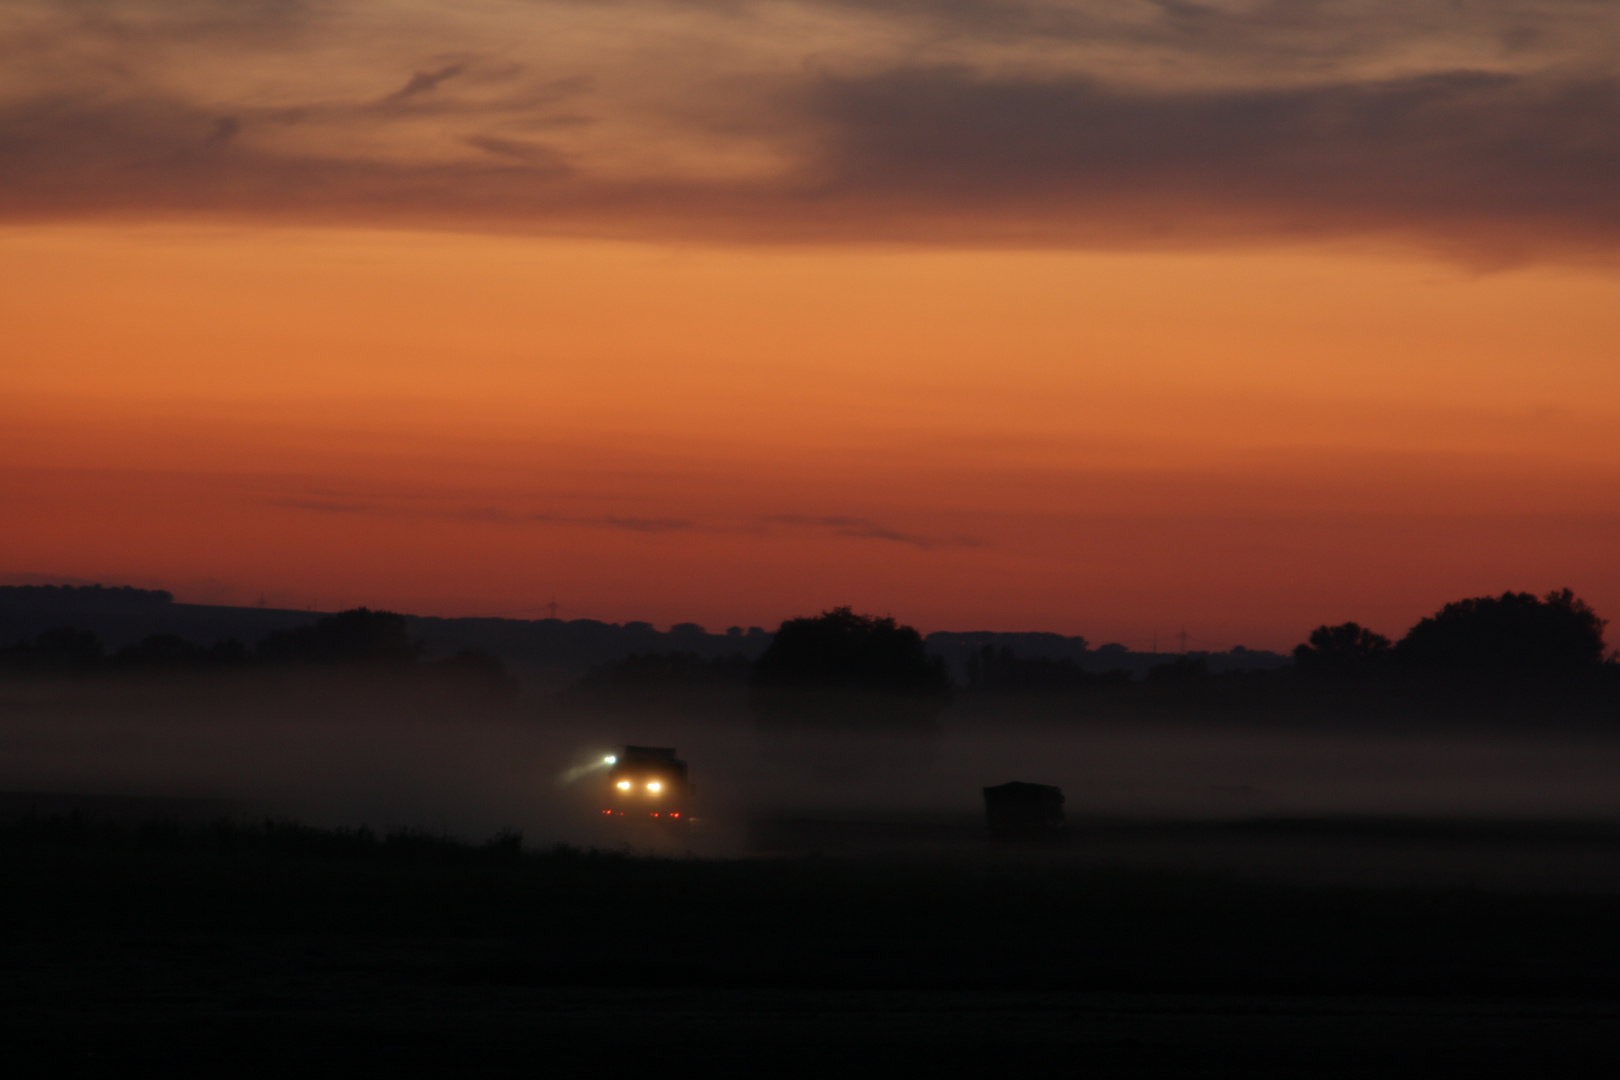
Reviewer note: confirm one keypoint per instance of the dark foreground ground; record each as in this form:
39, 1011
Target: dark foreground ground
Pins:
273, 949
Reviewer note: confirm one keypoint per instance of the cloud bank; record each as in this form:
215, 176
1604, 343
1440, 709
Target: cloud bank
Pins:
1489, 130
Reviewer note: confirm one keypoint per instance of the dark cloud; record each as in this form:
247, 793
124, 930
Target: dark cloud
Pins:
225, 129
532, 154
425, 81
640, 524
1470, 161
865, 529
1282, 34
1466, 158
135, 24
1487, 165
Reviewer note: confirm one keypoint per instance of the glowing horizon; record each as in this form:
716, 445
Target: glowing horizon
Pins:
1098, 319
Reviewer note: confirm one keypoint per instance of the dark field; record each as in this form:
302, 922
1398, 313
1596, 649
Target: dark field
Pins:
278, 947
1302, 901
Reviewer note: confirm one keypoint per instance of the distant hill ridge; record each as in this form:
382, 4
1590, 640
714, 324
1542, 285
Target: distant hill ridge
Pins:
85, 595
544, 653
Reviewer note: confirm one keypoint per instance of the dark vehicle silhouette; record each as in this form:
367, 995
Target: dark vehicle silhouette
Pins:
648, 782
1019, 811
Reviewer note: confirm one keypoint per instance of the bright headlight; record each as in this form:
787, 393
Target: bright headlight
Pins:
610, 760
655, 786
624, 785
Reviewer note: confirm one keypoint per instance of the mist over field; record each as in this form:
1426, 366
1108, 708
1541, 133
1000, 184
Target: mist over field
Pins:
350, 751
370, 841
1478, 750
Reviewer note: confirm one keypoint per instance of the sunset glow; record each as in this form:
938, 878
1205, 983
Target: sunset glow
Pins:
747, 311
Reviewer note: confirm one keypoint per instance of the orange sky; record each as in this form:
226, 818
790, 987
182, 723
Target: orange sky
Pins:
1110, 317
1242, 442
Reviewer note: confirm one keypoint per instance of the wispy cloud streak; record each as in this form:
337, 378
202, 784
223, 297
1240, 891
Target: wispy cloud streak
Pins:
484, 514
858, 528
839, 526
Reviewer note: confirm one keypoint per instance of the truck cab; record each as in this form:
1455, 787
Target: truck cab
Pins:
647, 783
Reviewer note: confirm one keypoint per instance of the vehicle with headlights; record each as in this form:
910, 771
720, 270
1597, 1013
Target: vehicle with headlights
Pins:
648, 783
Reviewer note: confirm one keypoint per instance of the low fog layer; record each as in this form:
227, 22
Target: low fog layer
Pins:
355, 752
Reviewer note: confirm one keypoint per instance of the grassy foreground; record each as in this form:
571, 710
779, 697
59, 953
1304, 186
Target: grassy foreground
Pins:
263, 945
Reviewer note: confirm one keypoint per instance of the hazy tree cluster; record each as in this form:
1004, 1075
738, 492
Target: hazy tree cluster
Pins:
841, 667
844, 669
359, 639
64, 650
1514, 632
360, 636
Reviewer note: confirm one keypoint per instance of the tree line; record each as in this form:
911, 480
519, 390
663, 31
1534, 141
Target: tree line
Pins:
850, 668
847, 669
1557, 633
358, 639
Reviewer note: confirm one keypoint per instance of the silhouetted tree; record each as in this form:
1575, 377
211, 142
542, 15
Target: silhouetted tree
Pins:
359, 636
1514, 631
62, 650
1348, 647
844, 669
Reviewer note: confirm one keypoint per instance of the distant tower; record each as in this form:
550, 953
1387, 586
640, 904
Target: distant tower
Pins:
552, 607
1183, 638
